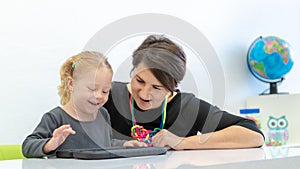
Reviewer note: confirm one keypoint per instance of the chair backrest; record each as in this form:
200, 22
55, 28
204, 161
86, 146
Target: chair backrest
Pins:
10, 152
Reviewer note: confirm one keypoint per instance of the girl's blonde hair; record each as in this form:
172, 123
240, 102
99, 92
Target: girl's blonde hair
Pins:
77, 65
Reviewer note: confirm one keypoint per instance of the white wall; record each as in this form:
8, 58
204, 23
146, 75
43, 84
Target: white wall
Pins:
36, 37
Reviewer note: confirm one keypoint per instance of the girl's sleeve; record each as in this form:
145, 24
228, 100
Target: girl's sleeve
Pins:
33, 144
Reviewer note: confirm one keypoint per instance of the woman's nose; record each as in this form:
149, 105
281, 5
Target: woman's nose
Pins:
145, 92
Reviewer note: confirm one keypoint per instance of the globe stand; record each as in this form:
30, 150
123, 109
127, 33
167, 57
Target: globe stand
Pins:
273, 88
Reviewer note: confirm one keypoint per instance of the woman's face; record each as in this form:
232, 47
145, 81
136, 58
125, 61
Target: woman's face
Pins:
146, 90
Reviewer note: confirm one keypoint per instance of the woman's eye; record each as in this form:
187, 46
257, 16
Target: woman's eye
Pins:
105, 92
155, 87
140, 81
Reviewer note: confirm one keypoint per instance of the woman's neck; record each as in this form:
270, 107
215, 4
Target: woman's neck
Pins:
129, 88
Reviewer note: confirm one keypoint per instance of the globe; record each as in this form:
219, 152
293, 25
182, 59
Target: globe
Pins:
270, 59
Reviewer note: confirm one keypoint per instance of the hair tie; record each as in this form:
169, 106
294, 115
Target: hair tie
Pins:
73, 65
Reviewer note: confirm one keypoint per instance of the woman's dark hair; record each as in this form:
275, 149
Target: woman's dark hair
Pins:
165, 59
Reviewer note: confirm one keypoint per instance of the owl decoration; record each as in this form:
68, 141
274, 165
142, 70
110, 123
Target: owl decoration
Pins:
278, 134
278, 152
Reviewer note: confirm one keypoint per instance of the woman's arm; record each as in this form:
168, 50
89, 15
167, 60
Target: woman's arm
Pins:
219, 129
231, 137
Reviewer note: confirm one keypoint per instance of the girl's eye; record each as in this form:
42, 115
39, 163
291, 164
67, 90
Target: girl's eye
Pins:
105, 92
90, 89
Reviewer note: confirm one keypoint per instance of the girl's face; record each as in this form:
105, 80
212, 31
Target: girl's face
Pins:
146, 90
90, 91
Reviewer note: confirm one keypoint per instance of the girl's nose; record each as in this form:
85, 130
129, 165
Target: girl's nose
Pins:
98, 94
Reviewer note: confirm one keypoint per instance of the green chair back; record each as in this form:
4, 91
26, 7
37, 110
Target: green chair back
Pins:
10, 152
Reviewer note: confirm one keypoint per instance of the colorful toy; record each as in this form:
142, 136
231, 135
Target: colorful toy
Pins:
257, 121
139, 132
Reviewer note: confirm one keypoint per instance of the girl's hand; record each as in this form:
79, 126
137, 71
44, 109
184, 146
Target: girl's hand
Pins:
59, 136
134, 143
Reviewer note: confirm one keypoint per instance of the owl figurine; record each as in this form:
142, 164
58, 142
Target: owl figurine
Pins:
278, 134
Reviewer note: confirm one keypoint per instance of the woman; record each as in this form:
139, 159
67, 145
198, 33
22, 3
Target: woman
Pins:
152, 110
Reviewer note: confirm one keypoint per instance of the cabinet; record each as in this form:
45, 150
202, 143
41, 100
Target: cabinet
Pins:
278, 105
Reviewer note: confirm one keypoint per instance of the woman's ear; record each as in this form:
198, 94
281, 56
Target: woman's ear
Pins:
70, 83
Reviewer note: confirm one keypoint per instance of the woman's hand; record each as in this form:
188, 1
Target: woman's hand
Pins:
59, 136
134, 143
164, 138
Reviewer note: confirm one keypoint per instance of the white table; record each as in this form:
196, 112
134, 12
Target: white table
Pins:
266, 157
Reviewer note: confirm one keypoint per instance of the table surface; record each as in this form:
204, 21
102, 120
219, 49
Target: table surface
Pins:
266, 157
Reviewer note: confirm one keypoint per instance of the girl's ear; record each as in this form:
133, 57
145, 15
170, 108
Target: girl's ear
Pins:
70, 83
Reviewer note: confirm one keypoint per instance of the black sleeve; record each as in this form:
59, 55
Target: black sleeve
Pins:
210, 118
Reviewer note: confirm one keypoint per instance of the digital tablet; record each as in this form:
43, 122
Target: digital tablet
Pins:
111, 152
